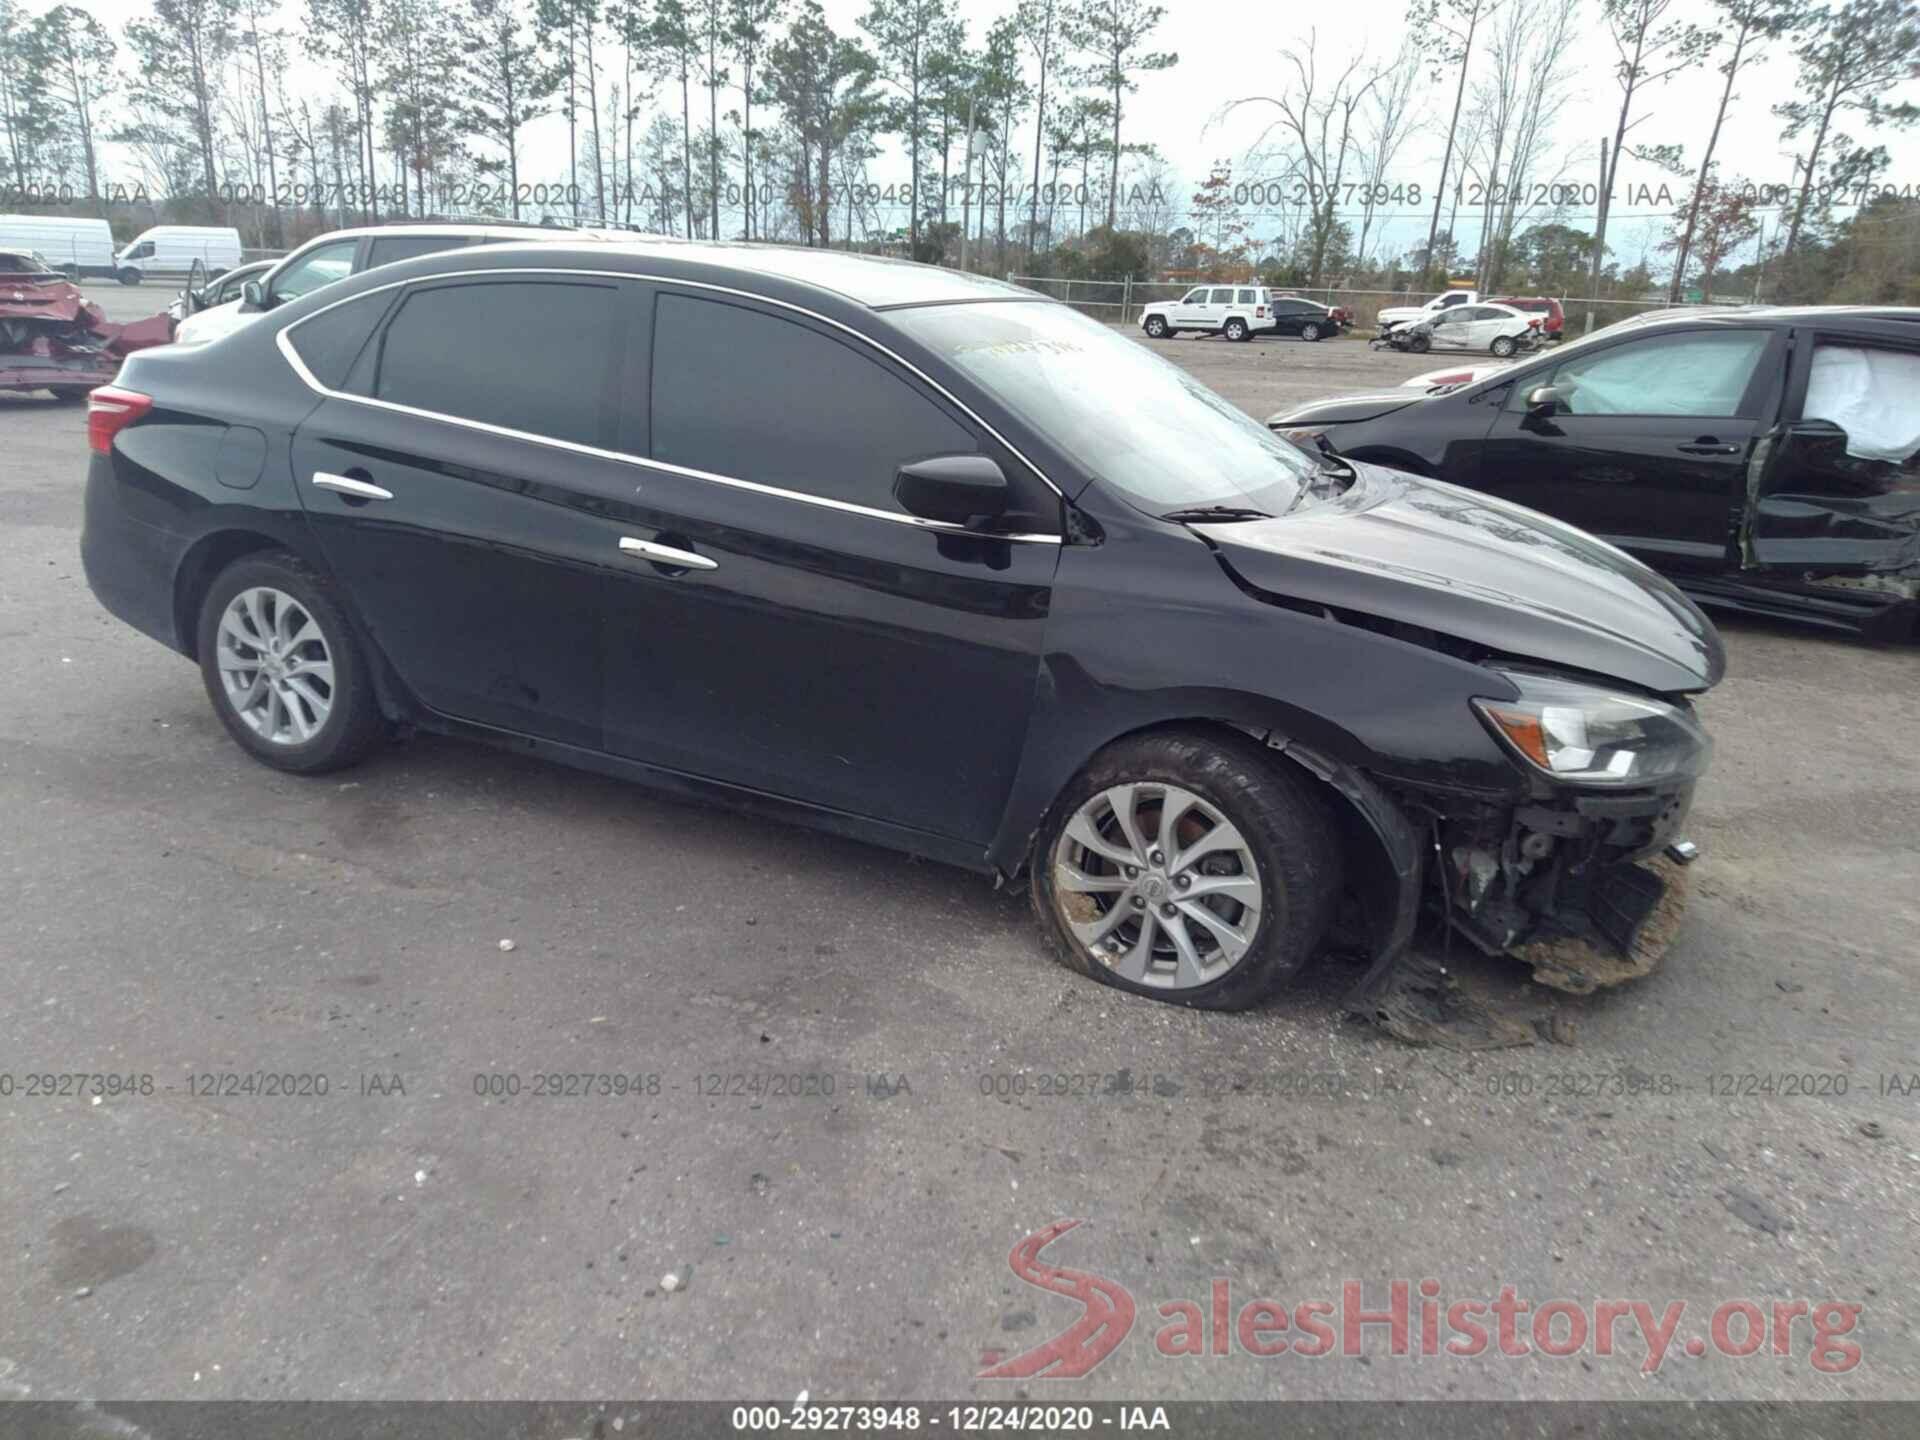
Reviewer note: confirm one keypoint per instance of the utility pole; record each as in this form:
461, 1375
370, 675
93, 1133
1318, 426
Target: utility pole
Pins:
966, 180
1599, 257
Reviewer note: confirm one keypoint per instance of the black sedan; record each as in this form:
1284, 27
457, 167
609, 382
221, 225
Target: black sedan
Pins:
923, 559
1767, 459
1307, 319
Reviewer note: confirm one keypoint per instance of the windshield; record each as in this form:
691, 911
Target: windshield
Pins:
1131, 419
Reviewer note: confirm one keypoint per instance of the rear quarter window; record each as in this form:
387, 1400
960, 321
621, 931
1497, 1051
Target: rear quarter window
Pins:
328, 343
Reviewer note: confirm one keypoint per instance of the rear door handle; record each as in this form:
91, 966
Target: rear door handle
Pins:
1709, 448
347, 485
666, 554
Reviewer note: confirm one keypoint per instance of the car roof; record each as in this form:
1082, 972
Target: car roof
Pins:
874, 281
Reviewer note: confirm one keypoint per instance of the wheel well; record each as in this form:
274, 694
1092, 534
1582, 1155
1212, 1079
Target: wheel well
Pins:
1372, 876
209, 556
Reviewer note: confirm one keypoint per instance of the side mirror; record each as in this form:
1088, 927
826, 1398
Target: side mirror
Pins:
1545, 400
956, 489
253, 295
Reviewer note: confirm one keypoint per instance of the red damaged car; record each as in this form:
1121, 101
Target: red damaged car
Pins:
1553, 320
52, 338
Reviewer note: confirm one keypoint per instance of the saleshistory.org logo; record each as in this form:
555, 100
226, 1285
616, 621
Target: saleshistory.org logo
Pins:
1414, 1320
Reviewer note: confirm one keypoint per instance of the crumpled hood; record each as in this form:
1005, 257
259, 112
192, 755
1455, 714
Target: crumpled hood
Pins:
1348, 409
1468, 565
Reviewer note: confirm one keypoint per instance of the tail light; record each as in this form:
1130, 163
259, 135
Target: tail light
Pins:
109, 411
1259, 312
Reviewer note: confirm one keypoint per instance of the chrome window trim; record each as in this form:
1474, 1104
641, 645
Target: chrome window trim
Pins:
312, 382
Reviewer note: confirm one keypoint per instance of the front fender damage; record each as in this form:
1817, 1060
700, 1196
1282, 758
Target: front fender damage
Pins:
1583, 889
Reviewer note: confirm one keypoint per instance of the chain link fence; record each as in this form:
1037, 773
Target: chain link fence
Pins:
1120, 301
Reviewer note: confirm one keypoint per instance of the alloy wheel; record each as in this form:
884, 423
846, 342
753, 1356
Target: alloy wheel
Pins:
275, 666
1157, 885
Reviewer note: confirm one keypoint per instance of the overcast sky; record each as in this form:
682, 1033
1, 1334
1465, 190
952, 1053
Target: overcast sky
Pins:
1230, 49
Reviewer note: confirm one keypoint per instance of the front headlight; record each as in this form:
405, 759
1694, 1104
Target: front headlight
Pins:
1587, 735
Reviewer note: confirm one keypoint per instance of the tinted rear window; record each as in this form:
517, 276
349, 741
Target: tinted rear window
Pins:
528, 355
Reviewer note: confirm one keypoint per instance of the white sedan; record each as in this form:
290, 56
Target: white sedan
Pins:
1499, 330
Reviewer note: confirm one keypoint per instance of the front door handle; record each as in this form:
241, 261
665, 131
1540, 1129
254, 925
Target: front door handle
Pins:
666, 554
1705, 446
347, 485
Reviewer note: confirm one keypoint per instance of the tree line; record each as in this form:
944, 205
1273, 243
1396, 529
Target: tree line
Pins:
1488, 83
743, 118
758, 119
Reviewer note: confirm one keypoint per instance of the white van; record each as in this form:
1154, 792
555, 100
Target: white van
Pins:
76, 247
168, 252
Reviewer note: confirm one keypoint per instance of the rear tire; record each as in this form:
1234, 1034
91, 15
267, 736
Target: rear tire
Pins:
1309, 331
1503, 347
1237, 329
301, 699
1280, 851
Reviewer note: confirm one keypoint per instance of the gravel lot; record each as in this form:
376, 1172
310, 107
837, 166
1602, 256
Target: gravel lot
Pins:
173, 909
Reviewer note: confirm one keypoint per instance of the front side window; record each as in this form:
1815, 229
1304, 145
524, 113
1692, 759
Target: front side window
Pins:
320, 266
1120, 412
748, 395
1194, 297
528, 355
1694, 373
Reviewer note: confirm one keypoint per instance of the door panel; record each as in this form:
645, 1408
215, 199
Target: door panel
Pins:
833, 652
1621, 456
839, 659
1841, 487
1637, 481
481, 581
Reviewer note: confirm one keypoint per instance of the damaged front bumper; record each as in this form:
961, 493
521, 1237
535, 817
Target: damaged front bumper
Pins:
1577, 885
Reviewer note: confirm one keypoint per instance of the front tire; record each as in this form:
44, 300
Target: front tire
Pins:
1156, 327
1502, 347
127, 275
283, 669
1237, 329
1419, 344
1190, 867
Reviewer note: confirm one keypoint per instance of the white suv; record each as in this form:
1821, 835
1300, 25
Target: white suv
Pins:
341, 253
1235, 311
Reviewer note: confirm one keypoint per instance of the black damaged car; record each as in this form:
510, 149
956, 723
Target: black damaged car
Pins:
1767, 459
923, 559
